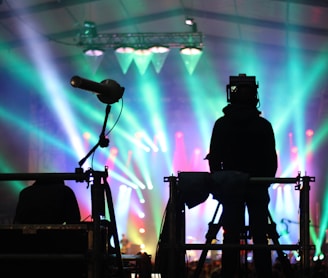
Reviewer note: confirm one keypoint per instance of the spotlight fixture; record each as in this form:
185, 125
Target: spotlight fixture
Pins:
319, 257
158, 49
191, 22
190, 50
137, 46
190, 56
93, 52
124, 50
90, 29
143, 51
90, 32
159, 56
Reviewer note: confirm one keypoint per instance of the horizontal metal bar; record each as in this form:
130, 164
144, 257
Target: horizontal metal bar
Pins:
196, 246
38, 176
141, 40
43, 257
78, 175
273, 180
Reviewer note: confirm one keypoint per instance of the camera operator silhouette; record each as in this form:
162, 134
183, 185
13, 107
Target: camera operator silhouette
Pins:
242, 140
47, 201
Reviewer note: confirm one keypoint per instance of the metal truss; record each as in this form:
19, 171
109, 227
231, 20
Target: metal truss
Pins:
142, 40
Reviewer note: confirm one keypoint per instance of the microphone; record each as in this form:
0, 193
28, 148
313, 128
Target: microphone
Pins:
107, 91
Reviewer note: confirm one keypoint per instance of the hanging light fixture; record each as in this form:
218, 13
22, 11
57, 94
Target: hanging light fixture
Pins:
157, 49
140, 47
160, 53
124, 55
93, 52
190, 50
124, 50
90, 32
143, 52
191, 22
190, 56
142, 59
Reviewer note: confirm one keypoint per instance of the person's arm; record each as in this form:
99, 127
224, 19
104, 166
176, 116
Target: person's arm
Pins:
271, 160
215, 158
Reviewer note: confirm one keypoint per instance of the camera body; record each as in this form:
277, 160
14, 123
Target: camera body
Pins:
242, 89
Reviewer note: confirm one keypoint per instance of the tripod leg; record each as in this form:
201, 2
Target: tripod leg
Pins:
283, 258
211, 234
115, 234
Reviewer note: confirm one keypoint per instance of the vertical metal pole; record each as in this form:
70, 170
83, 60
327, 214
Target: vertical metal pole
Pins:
305, 225
97, 196
114, 227
172, 252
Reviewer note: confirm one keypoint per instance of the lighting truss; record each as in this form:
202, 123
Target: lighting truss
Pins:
142, 40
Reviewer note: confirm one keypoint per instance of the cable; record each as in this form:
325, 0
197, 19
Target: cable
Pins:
110, 130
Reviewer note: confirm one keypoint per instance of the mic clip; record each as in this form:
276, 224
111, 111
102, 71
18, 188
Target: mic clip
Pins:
103, 141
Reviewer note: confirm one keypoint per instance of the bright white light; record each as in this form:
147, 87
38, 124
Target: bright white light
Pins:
59, 102
190, 51
124, 50
160, 137
143, 52
159, 49
189, 21
94, 52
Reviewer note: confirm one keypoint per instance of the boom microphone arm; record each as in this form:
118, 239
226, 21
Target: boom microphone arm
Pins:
103, 141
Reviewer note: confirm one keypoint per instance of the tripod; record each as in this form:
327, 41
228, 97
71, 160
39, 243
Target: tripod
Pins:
245, 234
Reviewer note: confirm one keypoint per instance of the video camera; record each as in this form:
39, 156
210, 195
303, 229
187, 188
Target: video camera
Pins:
242, 89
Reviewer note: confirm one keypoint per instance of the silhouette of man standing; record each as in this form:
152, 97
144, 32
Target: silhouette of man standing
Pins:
47, 202
125, 244
244, 141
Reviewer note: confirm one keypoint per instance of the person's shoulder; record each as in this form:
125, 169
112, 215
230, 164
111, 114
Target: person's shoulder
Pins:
68, 191
265, 122
28, 188
67, 188
221, 121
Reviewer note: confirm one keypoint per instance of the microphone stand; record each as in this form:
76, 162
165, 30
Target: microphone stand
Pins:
103, 141
99, 189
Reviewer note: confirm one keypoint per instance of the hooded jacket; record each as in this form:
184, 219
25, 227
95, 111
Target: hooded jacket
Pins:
243, 141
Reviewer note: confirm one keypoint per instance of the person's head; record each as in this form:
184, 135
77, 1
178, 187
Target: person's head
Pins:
242, 90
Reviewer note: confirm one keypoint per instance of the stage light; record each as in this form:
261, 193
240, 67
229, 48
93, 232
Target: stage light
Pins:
142, 52
159, 49
93, 52
190, 57
142, 58
90, 32
189, 21
318, 258
90, 29
140, 46
190, 51
124, 50
124, 55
